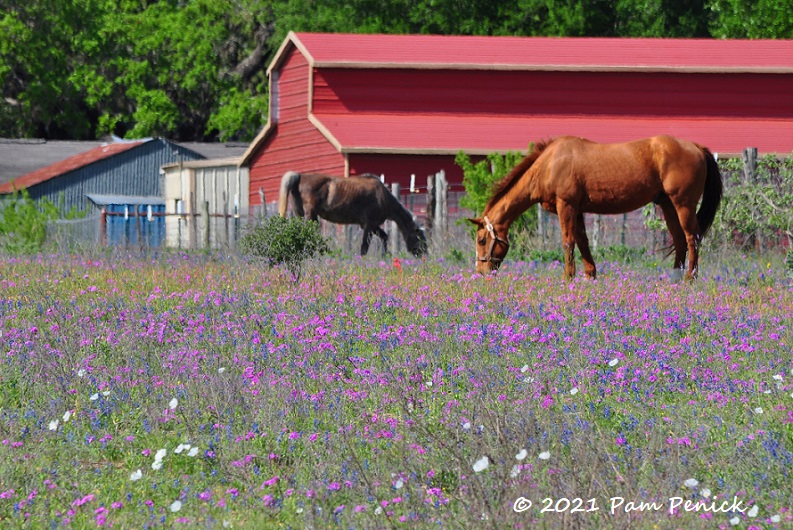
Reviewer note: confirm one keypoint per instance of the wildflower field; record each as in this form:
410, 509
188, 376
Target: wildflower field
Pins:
201, 392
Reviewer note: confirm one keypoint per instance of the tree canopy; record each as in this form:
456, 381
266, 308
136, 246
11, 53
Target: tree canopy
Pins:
195, 69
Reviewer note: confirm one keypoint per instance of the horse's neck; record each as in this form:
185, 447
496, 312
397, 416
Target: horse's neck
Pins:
519, 198
400, 215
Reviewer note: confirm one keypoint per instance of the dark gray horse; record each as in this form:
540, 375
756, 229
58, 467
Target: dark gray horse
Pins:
359, 200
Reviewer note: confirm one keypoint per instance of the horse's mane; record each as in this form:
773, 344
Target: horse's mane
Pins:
503, 185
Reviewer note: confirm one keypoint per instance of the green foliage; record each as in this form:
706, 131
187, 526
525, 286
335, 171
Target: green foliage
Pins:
23, 223
285, 241
756, 211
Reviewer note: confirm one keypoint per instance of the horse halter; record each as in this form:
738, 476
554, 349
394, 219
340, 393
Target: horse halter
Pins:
493, 238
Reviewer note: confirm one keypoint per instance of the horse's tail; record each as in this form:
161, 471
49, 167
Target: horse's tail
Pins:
711, 198
289, 181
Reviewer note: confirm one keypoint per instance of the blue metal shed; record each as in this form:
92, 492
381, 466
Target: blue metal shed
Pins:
130, 220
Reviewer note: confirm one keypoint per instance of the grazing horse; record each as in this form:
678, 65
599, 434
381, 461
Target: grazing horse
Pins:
361, 200
571, 176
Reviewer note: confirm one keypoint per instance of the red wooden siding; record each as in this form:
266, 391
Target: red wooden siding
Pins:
294, 144
398, 168
480, 92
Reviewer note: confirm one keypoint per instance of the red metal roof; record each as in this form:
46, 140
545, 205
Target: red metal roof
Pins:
69, 164
448, 134
542, 53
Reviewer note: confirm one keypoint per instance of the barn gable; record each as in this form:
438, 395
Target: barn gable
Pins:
388, 103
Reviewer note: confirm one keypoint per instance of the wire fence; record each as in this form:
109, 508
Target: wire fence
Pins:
437, 209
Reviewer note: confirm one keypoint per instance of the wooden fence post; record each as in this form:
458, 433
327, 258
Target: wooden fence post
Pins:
205, 224
430, 213
441, 207
393, 230
749, 157
192, 223
262, 203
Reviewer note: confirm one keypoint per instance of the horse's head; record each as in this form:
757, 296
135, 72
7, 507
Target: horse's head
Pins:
492, 245
416, 241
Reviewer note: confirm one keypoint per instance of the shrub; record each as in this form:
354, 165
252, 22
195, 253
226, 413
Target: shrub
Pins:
23, 222
285, 241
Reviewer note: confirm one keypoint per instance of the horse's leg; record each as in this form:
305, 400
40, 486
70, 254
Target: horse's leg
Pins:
676, 231
367, 238
567, 222
383, 237
688, 221
583, 245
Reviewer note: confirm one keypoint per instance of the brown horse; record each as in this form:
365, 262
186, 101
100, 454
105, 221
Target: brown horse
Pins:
360, 200
571, 176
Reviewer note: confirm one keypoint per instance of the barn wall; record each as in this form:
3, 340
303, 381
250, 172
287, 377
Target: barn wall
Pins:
398, 168
134, 172
295, 144
342, 90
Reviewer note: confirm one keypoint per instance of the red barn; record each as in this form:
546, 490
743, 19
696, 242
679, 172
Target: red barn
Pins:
407, 104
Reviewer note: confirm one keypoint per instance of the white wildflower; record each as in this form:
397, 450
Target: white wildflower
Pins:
691, 483
67, 415
173, 403
778, 377
106, 393
176, 506
160, 454
398, 484
524, 369
53, 426
94, 397
467, 425
80, 372
522, 455
481, 464
705, 493
136, 475
775, 518
377, 510
156, 465
515, 471
758, 410
429, 384
193, 451
573, 391
614, 362
735, 521
545, 455
221, 369
753, 511
227, 524
181, 447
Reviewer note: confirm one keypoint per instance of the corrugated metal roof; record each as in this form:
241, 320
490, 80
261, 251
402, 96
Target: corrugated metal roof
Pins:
438, 134
541, 53
105, 200
69, 164
21, 156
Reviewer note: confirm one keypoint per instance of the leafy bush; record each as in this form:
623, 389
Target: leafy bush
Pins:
285, 241
23, 222
757, 212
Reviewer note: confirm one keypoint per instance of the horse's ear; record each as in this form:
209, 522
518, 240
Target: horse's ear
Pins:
476, 220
